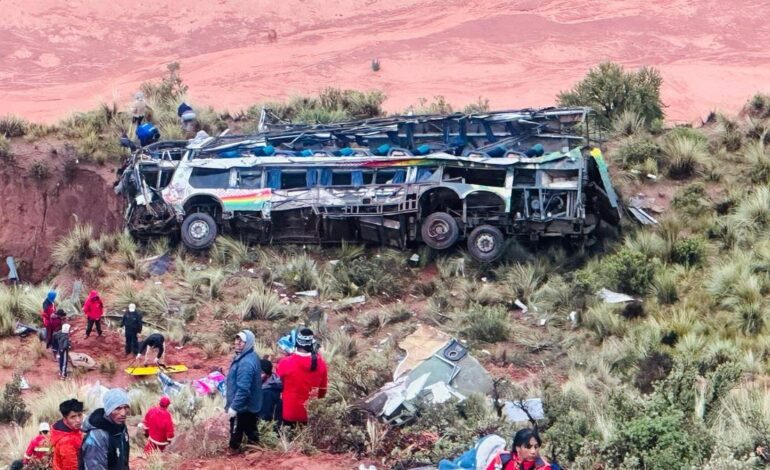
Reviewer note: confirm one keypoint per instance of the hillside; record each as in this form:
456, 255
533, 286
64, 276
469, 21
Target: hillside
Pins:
516, 53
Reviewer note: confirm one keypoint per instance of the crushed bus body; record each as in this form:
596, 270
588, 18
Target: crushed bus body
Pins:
439, 180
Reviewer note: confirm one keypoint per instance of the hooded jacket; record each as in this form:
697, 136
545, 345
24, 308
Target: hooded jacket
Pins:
271, 399
159, 425
66, 444
299, 382
62, 341
93, 307
244, 380
105, 444
37, 449
49, 309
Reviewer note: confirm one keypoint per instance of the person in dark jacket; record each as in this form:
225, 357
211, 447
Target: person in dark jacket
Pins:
154, 341
132, 322
93, 308
244, 391
63, 344
105, 444
271, 393
54, 324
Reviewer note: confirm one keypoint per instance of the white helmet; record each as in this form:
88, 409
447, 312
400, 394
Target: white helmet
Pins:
65, 328
44, 427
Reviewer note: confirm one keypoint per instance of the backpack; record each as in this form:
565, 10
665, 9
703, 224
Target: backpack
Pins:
478, 458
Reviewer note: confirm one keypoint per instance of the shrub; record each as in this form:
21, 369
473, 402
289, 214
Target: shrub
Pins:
260, 304
331, 427
610, 91
655, 366
12, 408
300, 273
5, 148
628, 271
684, 155
487, 323
689, 251
758, 106
638, 150
13, 126
379, 274
664, 286
692, 200
627, 123
375, 65
75, 248
759, 161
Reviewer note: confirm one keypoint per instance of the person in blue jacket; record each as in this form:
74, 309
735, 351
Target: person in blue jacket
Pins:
243, 400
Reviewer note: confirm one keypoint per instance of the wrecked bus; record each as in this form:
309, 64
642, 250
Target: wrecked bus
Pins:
391, 193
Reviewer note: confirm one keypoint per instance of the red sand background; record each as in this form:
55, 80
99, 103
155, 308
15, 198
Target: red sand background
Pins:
60, 56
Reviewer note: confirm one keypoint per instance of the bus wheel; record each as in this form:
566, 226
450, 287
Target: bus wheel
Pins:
486, 243
439, 231
198, 231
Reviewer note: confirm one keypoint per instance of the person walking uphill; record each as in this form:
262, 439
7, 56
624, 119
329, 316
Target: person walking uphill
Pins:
301, 373
158, 426
105, 444
64, 346
93, 308
244, 391
66, 437
132, 322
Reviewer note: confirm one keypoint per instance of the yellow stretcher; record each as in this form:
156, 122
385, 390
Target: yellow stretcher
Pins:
152, 370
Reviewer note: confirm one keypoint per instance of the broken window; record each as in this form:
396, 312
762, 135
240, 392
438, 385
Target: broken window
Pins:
249, 178
524, 177
210, 178
426, 173
480, 176
390, 176
342, 178
294, 179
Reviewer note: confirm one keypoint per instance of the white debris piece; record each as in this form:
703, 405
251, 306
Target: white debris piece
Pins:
614, 297
521, 305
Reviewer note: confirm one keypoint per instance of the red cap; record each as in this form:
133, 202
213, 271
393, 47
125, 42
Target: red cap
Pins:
165, 401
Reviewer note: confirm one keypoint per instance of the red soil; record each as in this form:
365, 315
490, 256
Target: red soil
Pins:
63, 57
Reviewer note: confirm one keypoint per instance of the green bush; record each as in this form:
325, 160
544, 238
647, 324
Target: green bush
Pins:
629, 272
372, 275
12, 407
689, 251
610, 91
75, 248
758, 106
692, 200
684, 155
332, 429
13, 126
5, 148
487, 323
39, 170
637, 150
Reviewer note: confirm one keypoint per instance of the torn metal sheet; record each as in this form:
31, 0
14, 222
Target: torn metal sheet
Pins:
13, 275
614, 297
419, 346
514, 410
642, 217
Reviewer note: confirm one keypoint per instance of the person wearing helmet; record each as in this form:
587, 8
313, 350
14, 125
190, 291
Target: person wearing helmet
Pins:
132, 323
62, 339
38, 447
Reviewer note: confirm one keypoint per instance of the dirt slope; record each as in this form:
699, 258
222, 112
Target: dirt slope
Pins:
58, 57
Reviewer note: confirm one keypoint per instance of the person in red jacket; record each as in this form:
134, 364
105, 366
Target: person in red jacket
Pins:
66, 437
49, 308
94, 310
158, 426
525, 454
54, 325
302, 373
38, 449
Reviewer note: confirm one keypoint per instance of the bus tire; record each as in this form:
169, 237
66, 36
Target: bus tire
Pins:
199, 230
486, 243
439, 231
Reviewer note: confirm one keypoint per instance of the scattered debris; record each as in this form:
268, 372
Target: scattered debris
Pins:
638, 207
520, 304
215, 381
614, 297
414, 260
528, 410
308, 293
436, 368
168, 385
82, 360
23, 384
24, 330
573, 317
351, 301
542, 321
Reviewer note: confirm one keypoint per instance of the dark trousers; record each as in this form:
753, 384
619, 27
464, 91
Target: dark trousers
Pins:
132, 343
243, 423
63, 358
90, 325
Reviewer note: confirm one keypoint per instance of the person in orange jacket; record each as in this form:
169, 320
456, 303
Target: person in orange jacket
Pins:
158, 426
303, 374
66, 437
94, 310
38, 448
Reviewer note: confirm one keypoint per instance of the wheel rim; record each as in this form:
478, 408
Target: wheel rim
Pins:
199, 230
485, 243
439, 230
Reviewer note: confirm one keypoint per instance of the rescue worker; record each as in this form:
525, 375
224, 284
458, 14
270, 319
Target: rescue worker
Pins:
64, 346
132, 323
38, 448
154, 341
271, 393
105, 443
49, 308
302, 373
244, 391
66, 437
93, 308
158, 426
